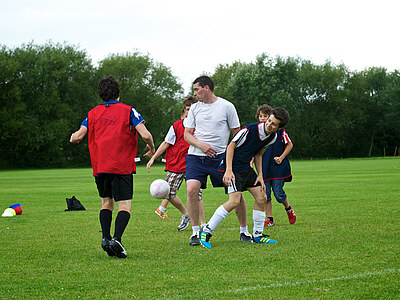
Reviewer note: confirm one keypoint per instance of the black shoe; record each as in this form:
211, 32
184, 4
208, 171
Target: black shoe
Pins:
246, 237
195, 239
105, 244
117, 248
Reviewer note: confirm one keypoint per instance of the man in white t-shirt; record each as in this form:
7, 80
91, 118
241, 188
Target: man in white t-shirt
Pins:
207, 128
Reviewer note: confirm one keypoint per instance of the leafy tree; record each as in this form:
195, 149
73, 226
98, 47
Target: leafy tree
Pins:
319, 123
148, 86
43, 88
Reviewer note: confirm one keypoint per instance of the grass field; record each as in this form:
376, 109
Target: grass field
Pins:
344, 245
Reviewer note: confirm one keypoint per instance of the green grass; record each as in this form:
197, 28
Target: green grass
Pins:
345, 243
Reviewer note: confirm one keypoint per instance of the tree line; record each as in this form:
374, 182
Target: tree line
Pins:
47, 90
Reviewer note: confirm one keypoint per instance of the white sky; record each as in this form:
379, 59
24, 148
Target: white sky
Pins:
192, 37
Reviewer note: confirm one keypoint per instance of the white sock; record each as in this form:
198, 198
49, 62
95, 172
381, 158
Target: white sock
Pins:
195, 229
163, 209
244, 229
258, 220
218, 216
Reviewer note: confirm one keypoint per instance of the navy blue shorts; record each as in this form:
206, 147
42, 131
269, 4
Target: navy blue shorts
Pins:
199, 167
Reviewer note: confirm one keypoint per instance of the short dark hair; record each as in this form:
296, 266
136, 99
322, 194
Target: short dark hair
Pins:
265, 109
189, 100
203, 81
109, 88
282, 115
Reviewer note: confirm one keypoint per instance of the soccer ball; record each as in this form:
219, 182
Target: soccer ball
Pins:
159, 189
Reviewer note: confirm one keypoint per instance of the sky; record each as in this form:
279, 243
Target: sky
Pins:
194, 37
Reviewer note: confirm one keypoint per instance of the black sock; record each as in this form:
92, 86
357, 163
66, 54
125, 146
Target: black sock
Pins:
121, 221
271, 219
105, 222
289, 208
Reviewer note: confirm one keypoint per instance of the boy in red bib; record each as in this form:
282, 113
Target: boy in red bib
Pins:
112, 129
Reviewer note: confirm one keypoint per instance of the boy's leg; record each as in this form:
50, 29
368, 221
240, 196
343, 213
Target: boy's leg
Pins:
161, 210
107, 207
259, 216
122, 219
241, 213
268, 212
176, 202
218, 216
185, 220
280, 195
268, 205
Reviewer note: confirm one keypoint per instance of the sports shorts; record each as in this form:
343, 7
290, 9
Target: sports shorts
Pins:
119, 187
200, 167
175, 180
243, 181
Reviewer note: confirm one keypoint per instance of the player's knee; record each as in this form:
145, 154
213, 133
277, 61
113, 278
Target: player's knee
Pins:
280, 197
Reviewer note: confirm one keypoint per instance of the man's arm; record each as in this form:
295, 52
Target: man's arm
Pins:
78, 135
258, 164
204, 147
161, 149
235, 130
147, 138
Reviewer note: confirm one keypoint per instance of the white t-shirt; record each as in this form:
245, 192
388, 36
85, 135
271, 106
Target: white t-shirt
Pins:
212, 124
170, 138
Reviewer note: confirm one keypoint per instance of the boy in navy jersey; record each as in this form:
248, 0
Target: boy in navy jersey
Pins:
251, 141
276, 169
112, 129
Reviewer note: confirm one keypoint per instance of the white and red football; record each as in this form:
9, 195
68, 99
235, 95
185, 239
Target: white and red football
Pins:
159, 189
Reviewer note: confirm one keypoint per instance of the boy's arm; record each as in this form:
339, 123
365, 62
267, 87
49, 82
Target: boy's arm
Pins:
78, 135
161, 149
258, 165
229, 176
147, 138
288, 148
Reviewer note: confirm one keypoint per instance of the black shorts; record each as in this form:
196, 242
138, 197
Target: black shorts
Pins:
243, 181
119, 187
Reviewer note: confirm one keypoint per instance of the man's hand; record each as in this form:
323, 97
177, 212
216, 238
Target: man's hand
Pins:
208, 150
278, 160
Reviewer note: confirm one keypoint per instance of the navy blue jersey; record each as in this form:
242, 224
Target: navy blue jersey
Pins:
271, 170
249, 141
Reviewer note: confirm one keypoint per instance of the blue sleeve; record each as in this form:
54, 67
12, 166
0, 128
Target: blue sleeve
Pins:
136, 118
84, 123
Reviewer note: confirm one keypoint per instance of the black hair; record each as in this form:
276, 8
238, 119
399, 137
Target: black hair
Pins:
203, 81
108, 88
282, 115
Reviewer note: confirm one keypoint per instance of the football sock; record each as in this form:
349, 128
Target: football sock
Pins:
218, 216
289, 208
121, 221
244, 229
195, 229
258, 220
163, 209
105, 222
